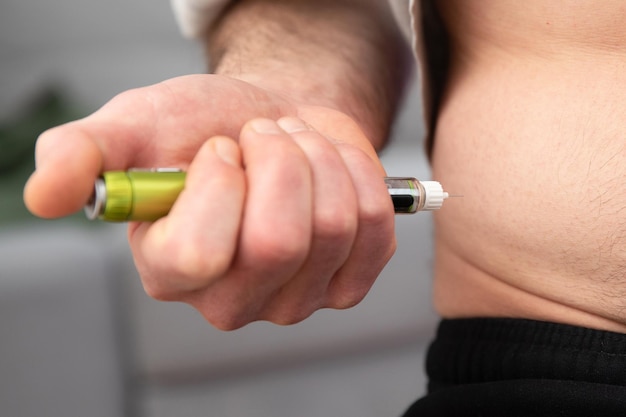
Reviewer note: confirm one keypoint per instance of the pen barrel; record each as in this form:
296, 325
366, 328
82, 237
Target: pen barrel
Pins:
154, 193
137, 195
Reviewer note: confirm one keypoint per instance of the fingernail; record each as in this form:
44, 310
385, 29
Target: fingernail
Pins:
265, 126
227, 150
293, 125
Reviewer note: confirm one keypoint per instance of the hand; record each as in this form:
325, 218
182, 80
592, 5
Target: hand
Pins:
277, 219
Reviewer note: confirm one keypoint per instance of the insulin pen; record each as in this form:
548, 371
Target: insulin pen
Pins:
148, 194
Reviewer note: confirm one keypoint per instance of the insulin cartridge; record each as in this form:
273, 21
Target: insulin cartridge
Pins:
410, 195
148, 194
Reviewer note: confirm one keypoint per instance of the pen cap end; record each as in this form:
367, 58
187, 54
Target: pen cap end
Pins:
95, 206
119, 196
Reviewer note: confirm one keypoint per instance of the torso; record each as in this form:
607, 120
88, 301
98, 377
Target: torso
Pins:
532, 131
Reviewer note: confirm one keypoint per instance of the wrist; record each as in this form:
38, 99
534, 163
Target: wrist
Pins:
340, 54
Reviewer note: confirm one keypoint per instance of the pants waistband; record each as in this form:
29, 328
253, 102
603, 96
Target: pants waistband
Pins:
468, 351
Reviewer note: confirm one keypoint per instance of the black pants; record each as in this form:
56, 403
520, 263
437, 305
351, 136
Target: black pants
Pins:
510, 368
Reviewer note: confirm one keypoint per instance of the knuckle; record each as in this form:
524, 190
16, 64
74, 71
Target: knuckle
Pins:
290, 319
183, 267
227, 324
375, 214
385, 251
132, 97
344, 300
393, 245
279, 248
195, 268
159, 292
289, 315
227, 319
335, 225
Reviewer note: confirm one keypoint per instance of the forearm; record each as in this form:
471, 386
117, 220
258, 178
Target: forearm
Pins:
344, 54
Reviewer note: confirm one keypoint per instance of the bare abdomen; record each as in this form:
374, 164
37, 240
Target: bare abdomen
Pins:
537, 145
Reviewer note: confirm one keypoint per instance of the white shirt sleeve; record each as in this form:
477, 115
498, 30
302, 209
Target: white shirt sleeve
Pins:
195, 16
402, 12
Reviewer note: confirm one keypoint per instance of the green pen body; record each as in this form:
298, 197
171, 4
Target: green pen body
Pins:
135, 195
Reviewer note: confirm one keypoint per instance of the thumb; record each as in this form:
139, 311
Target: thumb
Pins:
67, 164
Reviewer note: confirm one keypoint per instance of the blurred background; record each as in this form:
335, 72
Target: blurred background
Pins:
78, 335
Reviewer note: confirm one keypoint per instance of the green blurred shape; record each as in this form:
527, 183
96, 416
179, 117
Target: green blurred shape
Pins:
17, 145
